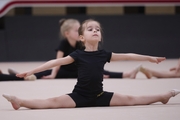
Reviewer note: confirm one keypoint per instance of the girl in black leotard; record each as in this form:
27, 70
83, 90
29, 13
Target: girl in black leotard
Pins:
88, 90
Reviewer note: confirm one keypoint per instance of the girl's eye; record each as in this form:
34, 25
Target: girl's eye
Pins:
89, 29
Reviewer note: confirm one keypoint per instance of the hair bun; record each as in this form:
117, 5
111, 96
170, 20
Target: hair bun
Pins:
61, 21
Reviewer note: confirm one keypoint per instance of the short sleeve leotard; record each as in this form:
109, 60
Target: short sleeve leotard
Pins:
70, 71
90, 67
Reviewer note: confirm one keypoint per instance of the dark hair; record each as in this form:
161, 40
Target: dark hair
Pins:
80, 45
82, 28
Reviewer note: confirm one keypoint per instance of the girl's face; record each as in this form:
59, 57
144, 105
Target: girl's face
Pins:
92, 32
72, 33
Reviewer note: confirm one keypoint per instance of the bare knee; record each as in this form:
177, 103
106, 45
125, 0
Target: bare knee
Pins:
123, 100
62, 102
131, 100
54, 103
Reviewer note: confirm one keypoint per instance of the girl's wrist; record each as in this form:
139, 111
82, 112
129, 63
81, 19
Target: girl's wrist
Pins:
31, 72
149, 58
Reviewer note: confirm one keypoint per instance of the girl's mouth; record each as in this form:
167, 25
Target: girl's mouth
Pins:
95, 35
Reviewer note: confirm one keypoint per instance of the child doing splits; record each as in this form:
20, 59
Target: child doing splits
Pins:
88, 90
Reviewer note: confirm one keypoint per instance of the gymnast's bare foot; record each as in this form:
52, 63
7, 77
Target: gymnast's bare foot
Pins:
176, 70
170, 94
12, 71
134, 72
177, 73
145, 72
14, 101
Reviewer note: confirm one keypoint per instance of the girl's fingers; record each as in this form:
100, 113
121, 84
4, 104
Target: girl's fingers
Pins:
172, 69
21, 75
160, 59
18, 75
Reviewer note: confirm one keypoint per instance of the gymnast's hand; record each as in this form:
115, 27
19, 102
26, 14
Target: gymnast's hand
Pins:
157, 59
22, 75
177, 68
48, 77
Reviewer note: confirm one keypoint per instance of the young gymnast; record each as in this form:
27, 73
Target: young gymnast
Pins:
172, 73
88, 90
69, 43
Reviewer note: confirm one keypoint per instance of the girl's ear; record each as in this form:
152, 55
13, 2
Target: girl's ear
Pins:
66, 33
81, 38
